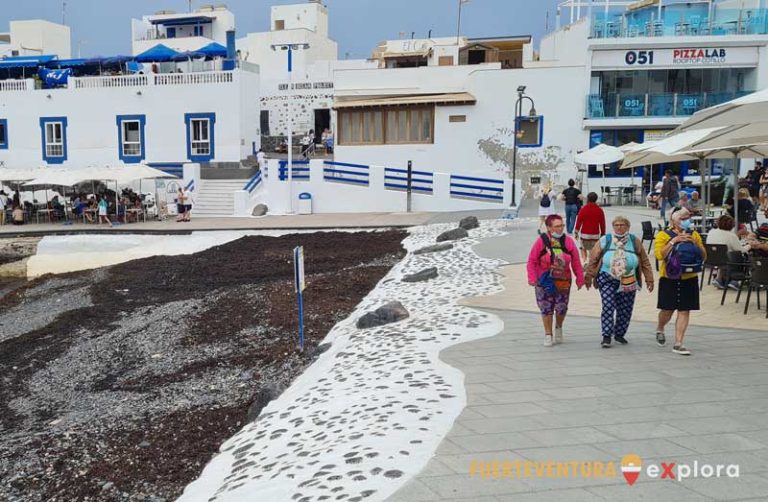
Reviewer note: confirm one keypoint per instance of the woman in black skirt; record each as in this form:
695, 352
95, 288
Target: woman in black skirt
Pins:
681, 295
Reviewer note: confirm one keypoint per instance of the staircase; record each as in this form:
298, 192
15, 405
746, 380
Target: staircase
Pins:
216, 198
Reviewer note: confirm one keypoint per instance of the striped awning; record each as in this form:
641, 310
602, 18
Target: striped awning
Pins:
447, 99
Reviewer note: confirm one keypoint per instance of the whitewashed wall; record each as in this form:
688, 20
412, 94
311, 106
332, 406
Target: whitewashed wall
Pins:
334, 197
484, 142
92, 133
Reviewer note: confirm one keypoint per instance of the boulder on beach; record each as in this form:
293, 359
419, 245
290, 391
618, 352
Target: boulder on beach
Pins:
260, 210
386, 314
469, 223
434, 248
422, 275
452, 235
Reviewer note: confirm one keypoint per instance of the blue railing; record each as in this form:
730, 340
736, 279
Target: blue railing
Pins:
300, 171
253, 183
344, 172
679, 20
397, 179
484, 189
655, 105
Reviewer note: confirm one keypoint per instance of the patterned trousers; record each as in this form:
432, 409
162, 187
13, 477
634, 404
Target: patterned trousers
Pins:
617, 307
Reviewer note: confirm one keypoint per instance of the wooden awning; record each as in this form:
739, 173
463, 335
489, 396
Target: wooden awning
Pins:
448, 99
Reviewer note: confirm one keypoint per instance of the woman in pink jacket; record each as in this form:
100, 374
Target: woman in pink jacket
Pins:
553, 261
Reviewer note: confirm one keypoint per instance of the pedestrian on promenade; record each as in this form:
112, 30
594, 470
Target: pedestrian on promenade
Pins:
546, 205
103, 208
181, 204
681, 255
590, 225
670, 193
552, 263
189, 200
615, 267
572, 197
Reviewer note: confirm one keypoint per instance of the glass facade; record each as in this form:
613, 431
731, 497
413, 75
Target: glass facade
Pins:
664, 93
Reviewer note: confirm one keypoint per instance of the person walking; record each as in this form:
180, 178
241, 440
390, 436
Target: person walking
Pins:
103, 208
261, 158
189, 201
670, 193
617, 265
552, 264
546, 205
590, 225
181, 204
681, 256
572, 197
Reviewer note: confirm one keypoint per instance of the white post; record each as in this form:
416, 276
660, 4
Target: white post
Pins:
290, 130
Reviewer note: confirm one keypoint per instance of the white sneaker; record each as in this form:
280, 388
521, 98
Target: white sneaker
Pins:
558, 335
548, 340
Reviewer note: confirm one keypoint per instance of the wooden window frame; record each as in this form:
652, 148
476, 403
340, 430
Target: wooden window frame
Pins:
385, 110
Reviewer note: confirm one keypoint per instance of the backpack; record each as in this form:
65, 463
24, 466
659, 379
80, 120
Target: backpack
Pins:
545, 201
685, 257
554, 271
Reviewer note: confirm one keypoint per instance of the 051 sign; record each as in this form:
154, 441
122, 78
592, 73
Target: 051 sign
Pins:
638, 57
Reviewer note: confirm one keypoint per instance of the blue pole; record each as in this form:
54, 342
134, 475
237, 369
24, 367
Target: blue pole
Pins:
290, 60
301, 320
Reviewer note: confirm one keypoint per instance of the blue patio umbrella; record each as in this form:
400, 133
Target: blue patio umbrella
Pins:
157, 54
213, 50
184, 56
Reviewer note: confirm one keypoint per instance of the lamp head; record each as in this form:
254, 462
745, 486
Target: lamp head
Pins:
532, 114
521, 89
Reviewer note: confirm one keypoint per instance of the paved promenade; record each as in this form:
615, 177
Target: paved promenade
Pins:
578, 402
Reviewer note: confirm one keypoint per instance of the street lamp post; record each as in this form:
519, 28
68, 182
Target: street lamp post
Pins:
290, 48
518, 133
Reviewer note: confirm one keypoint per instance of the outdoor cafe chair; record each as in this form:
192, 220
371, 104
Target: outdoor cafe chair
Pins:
649, 234
737, 269
758, 282
717, 257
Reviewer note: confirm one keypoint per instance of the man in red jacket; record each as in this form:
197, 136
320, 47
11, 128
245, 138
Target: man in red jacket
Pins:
590, 225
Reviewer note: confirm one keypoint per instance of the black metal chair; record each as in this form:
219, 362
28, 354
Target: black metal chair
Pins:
737, 269
649, 234
717, 257
753, 224
759, 282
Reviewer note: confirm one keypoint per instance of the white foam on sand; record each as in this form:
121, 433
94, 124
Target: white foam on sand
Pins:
70, 253
371, 411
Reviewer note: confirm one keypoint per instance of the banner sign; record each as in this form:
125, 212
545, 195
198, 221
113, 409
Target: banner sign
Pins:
683, 57
54, 78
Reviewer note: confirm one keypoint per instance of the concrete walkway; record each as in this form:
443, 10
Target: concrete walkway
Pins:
305, 222
578, 402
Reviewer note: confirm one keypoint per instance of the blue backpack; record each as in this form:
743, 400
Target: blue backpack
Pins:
685, 257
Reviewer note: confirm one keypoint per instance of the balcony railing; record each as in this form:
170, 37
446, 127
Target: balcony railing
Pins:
723, 22
611, 106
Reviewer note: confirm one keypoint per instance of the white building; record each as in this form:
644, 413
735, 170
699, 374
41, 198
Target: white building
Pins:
158, 119
182, 31
618, 72
35, 38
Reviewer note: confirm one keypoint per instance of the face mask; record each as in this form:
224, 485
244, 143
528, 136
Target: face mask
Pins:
686, 224
557, 235
620, 236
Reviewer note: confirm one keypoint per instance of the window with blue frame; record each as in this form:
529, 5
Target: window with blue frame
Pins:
170, 32
130, 135
53, 131
3, 134
198, 31
530, 132
200, 136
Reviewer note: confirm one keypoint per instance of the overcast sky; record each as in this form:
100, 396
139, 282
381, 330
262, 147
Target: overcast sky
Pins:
102, 27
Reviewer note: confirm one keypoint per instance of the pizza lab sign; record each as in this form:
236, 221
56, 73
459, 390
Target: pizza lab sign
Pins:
698, 56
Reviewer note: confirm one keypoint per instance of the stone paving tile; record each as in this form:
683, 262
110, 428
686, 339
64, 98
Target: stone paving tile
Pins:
414, 491
448, 487
509, 410
744, 486
575, 435
581, 452
494, 442
641, 430
651, 492
718, 442
645, 448
569, 495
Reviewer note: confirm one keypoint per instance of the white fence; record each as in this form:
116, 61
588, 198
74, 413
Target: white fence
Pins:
17, 85
118, 81
338, 187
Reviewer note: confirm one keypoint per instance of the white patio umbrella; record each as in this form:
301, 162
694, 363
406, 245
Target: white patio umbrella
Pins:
745, 110
600, 155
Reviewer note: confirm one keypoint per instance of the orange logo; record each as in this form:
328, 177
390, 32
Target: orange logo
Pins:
631, 465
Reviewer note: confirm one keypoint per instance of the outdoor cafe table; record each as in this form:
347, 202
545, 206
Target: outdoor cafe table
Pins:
46, 212
138, 212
